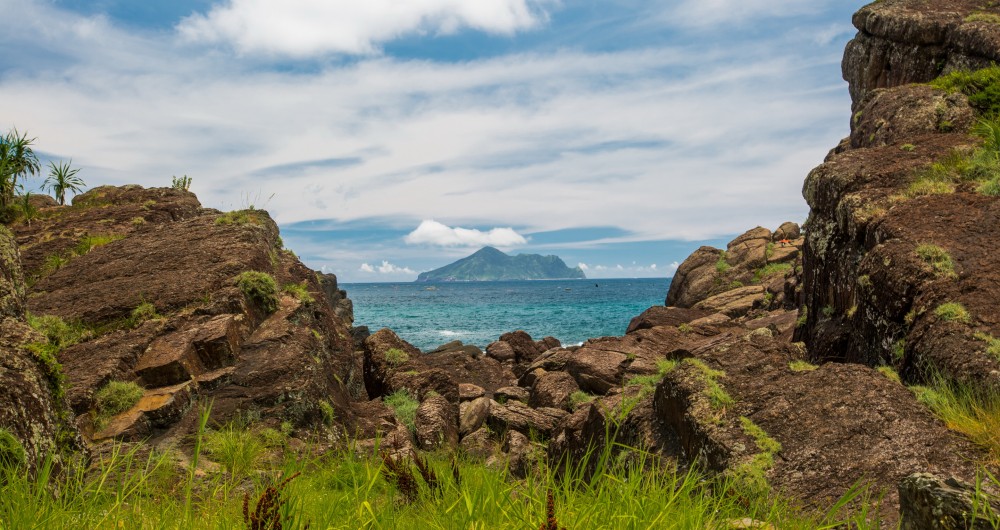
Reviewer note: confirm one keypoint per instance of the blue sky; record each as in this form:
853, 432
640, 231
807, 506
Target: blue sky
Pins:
390, 137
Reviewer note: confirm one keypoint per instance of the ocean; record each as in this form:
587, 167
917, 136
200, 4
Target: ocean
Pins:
430, 314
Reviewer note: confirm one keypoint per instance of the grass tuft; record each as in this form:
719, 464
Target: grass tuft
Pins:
239, 217
771, 269
952, 312
404, 406
976, 414
801, 366
396, 357
300, 292
938, 259
117, 397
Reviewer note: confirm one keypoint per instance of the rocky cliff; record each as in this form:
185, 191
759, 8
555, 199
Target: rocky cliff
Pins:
194, 306
889, 243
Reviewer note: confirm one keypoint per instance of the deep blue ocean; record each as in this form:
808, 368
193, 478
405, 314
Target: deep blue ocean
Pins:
430, 314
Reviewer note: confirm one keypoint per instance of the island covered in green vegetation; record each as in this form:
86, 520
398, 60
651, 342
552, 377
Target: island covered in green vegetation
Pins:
490, 264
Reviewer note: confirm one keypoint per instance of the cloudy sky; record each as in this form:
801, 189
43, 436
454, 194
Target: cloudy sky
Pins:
388, 137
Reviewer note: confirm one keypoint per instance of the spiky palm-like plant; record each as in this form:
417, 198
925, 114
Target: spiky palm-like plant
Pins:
17, 159
62, 179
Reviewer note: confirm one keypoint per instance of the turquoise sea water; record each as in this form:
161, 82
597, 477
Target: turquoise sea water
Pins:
428, 315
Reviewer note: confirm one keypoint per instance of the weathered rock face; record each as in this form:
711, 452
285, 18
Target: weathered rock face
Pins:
758, 270
929, 502
907, 41
33, 409
437, 423
869, 296
198, 336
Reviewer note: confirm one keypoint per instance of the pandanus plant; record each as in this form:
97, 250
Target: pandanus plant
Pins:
62, 179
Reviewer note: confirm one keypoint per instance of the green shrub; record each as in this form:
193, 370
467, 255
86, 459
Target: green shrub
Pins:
396, 357
12, 454
803, 317
117, 397
981, 86
899, 349
45, 355
721, 266
952, 312
299, 291
684, 327
259, 287
938, 259
138, 221
182, 183
57, 331
404, 406
908, 147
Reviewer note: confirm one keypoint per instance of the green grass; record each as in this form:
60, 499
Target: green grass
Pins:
347, 490
647, 383
717, 396
990, 188
143, 312
975, 414
721, 266
404, 406
116, 397
983, 17
685, 328
952, 312
889, 373
981, 86
803, 317
238, 450
260, 288
300, 292
752, 475
90, 242
329, 415
12, 456
770, 269
579, 398
992, 344
396, 357
801, 366
239, 217
57, 331
938, 259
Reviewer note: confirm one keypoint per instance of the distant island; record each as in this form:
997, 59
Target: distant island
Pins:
489, 264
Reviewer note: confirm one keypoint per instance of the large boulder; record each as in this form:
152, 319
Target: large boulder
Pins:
436, 424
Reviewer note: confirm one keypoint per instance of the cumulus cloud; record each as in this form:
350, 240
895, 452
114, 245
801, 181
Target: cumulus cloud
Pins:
583, 266
385, 268
431, 232
310, 27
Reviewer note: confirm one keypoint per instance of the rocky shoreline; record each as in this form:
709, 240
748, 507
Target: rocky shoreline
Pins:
782, 361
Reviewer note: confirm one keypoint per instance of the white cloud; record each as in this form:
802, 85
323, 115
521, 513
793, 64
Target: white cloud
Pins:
434, 233
583, 266
310, 27
673, 266
385, 268
707, 13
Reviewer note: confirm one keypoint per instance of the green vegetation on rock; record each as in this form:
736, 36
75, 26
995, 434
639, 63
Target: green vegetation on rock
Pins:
116, 397
300, 291
717, 396
239, 217
938, 259
952, 312
396, 356
260, 288
801, 366
404, 406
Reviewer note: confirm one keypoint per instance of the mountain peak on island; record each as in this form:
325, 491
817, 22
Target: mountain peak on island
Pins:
490, 264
